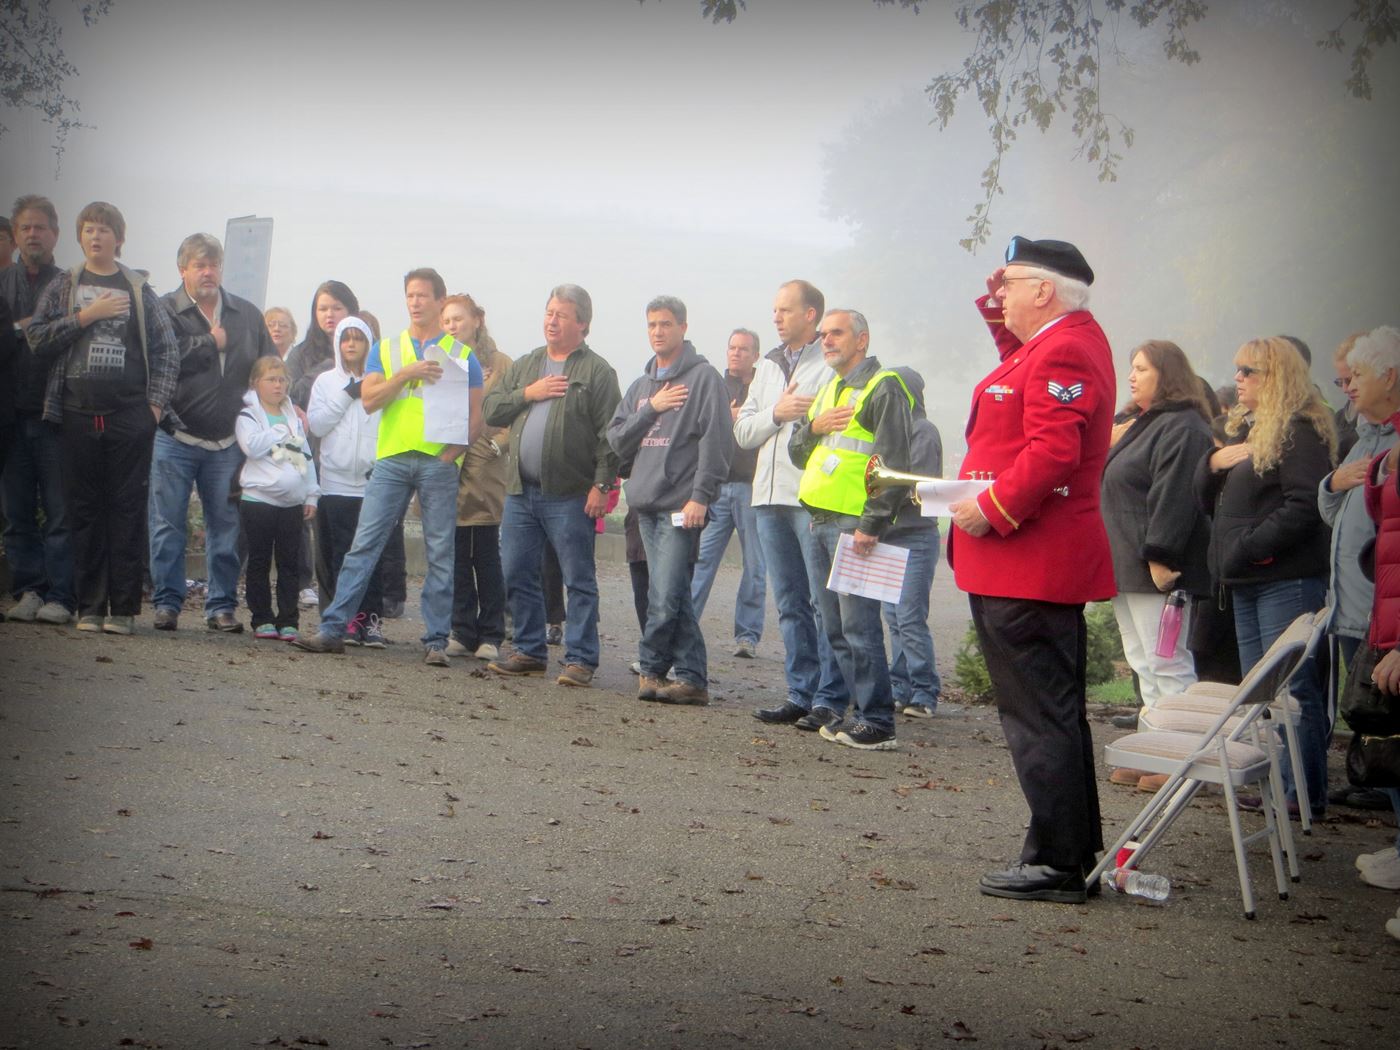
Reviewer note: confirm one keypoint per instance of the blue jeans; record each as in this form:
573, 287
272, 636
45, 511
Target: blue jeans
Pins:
733, 511
40, 561
1262, 611
913, 675
176, 469
813, 675
391, 485
529, 519
672, 636
854, 630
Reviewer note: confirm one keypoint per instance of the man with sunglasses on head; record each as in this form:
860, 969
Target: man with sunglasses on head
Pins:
1031, 549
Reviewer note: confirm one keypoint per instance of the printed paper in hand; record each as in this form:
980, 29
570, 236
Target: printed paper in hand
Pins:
937, 496
878, 575
447, 403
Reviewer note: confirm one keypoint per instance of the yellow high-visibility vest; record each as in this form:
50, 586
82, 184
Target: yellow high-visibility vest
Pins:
834, 478
401, 425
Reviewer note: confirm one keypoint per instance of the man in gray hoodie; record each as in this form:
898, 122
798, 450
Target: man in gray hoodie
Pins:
672, 434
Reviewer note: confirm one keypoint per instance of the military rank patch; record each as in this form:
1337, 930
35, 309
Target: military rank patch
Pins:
999, 391
1065, 394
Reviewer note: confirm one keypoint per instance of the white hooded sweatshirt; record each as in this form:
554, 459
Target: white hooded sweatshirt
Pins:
278, 470
348, 436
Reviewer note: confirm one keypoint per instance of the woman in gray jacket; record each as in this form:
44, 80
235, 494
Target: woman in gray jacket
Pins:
1157, 533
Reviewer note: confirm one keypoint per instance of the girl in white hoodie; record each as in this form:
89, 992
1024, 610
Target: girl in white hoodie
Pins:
279, 493
336, 415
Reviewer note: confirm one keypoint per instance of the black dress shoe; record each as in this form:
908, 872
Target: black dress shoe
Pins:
1125, 721
1036, 882
784, 714
817, 719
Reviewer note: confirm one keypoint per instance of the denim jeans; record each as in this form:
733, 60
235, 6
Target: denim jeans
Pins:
529, 519
913, 674
854, 629
391, 485
733, 511
813, 675
1262, 611
177, 469
40, 560
672, 636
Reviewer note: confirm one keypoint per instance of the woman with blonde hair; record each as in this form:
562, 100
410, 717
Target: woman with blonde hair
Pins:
1269, 544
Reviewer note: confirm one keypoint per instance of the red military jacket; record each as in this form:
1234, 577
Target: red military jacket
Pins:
1039, 431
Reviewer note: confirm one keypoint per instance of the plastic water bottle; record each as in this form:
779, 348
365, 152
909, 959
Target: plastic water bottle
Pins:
1169, 627
1136, 883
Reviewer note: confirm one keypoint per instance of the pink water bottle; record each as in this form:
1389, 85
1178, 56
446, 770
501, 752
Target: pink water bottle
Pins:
1169, 627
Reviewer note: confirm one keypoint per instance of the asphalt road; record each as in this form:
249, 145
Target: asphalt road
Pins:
209, 841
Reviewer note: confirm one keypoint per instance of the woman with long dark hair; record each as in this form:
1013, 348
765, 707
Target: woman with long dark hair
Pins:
331, 304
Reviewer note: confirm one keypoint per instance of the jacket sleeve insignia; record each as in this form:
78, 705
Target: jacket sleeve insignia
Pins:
1065, 394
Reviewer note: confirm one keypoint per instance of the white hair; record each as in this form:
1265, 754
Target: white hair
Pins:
1073, 294
1378, 350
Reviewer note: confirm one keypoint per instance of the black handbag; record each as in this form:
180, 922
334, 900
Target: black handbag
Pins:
1374, 761
1373, 757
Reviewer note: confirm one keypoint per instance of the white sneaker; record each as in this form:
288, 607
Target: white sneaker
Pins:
308, 599
53, 612
487, 651
456, 648
1392, 927
1367, 859
1383, 874
26, 608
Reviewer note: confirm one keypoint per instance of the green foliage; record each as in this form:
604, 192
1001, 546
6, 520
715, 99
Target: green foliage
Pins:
1105, 646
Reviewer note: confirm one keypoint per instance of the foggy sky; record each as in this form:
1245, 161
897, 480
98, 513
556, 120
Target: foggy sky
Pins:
638, 150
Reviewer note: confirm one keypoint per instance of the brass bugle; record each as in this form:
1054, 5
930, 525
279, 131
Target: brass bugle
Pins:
878, 478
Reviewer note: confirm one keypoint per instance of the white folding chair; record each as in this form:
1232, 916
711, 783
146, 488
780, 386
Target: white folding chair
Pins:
1224, 753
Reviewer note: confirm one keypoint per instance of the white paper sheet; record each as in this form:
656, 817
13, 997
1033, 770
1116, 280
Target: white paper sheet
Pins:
937, 496
878, 575
447, 403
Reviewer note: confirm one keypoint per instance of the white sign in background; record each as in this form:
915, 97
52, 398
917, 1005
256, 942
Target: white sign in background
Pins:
247, 257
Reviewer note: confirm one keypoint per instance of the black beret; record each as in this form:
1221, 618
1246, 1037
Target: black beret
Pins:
1056, 256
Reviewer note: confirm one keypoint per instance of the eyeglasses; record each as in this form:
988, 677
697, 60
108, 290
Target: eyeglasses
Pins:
1007, 280
1341, 384
1246, 371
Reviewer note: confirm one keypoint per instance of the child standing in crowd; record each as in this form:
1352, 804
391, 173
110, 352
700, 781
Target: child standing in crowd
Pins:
336, 415
279, 493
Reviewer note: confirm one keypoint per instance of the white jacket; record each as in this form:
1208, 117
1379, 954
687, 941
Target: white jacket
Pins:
278, 469
775, 478
348, 436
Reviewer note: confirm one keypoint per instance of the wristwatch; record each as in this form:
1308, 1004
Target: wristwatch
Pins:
605, 487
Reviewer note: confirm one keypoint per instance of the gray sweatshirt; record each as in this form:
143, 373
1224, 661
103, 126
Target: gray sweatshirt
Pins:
674, 457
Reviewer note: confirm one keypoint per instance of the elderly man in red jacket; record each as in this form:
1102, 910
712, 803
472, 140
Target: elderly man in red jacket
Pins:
1031, 549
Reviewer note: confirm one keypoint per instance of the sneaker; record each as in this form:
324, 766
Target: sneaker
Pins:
288, 634
167, 619
267, 632
916, 711
436, 657
487, 651
685, 693
554, 634
118, 625
745, 649
635, 667
92, 624
354, 631
372, 633
828, 730
1392, 927
319, 643
1367, 859
576, 675
224, 622
308, 598
817, 719
1384, 874
455, 648
26, 608
393, 610
1128, 721
518, 664
53, 612
867, 738
649, 688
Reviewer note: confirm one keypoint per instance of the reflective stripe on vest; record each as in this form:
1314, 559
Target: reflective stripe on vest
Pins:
834, 478
401, 424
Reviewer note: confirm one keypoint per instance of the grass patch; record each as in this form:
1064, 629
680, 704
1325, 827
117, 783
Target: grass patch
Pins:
1118, 691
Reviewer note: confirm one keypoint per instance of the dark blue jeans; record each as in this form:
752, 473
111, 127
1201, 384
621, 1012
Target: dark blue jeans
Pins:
913, 674
672, 636
1262, 612
853, 627
41, 559
529, 518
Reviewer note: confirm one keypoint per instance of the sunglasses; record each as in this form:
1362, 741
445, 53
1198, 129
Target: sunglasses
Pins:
1246, 371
